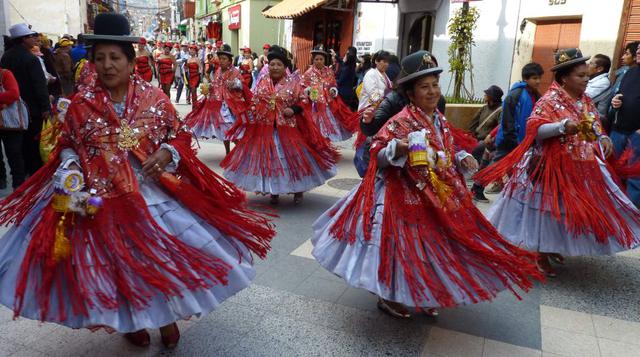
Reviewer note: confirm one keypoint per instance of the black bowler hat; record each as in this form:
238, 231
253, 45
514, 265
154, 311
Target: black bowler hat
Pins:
319, 50
278, 52
225, 50
111, 27
568, 57
494, 92
417, 65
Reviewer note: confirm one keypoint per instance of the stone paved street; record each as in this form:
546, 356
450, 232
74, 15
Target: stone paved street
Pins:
296, 308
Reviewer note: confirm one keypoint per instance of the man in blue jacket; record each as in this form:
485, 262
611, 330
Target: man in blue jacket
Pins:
516, 109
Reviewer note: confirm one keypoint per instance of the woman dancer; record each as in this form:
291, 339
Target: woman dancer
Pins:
144, 61
320, 98
194, 69
563, 197
167, 66
124, 228
410, 233
281, 151
227, 101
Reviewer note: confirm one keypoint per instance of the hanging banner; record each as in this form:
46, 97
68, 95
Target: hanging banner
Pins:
234, 17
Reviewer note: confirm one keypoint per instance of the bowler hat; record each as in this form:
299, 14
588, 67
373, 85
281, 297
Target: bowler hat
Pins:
20, 30
417, 65
279, 53
568, 57
225, 50
111, 27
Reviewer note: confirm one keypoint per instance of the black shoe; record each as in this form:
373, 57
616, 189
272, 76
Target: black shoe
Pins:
479, 196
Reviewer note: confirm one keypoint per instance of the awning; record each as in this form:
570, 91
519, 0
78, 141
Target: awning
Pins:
288, 9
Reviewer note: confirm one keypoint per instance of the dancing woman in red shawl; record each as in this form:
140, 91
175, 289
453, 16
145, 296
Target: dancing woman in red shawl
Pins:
410, 233
227, 101
336, 121
125, 228
563, 196
281, 151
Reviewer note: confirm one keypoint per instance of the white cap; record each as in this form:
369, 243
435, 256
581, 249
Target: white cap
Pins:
20, 30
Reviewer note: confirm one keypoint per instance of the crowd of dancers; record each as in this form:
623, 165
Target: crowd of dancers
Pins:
124, 228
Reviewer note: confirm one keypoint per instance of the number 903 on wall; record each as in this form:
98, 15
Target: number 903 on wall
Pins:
557, 2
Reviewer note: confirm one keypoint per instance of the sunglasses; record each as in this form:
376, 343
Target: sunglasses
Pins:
32, 35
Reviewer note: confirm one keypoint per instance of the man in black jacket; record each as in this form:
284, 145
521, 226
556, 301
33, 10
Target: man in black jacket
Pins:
27, 69
626, 124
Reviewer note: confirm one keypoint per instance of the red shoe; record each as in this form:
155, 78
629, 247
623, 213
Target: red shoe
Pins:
170, 335
140, 338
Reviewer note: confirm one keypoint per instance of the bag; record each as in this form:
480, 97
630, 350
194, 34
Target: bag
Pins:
15, 116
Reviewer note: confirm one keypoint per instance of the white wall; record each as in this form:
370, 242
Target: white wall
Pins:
376, 24
494, 37
598, 33
52, 17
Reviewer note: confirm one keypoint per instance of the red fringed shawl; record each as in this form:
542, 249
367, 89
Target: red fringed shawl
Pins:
238, 101
432, 214
296, 134
319, 83
121, 254
566, 170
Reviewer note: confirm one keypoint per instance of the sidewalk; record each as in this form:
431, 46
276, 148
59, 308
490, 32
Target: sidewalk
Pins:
296, 308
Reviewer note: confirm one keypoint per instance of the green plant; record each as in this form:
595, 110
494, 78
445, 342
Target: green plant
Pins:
471, 100
461, 28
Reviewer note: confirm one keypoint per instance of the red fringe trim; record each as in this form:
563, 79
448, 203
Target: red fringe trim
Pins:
120, 254
575, 192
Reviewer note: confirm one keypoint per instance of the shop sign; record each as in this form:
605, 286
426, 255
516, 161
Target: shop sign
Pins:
234, 17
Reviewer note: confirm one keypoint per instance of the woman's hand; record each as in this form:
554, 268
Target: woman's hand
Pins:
155, 164
616, 102
607, 146
288, 112
469, 163
402, 148
367, 115
570, 128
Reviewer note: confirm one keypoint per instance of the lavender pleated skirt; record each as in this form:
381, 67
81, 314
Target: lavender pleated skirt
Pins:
284, 183
176, 220
520, 219
358, 263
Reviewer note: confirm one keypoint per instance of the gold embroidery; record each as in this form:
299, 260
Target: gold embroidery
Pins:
127, 139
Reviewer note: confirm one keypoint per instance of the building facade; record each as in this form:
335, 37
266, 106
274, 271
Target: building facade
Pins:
326, 23
510, 34
53, 18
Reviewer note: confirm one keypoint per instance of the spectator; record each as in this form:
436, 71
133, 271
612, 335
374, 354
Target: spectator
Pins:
11, 139
346, 77
628, 62
516, 108
33, 87
599, 85
394, 68
626, 106
78, 51
376, 84
482, 124
48, 76
54, 88
64, 65
363, 68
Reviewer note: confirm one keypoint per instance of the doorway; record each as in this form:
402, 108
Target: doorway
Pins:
551, 36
